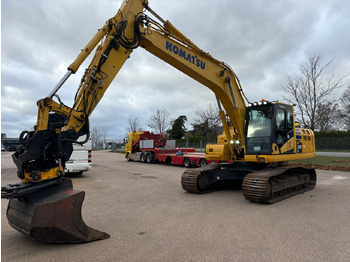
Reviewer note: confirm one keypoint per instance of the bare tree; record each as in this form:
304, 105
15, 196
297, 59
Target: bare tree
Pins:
208, 122
328, 116
95, 136
345, 109
98, 136
310, 90
209, 113
133, 124
104, 137
160, 122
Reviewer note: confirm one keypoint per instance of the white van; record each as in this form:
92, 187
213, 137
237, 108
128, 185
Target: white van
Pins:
80, 160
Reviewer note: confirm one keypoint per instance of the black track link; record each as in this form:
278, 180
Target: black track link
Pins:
256, 187
268, 185
190, 179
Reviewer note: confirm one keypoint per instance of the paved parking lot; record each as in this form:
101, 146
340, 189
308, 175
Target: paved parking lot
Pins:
151, 218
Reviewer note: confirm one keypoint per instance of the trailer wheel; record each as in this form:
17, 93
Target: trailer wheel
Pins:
149, 158
203, 162
143, 158
186, 162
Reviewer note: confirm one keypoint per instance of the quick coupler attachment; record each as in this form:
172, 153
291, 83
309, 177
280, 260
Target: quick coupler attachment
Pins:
52, 215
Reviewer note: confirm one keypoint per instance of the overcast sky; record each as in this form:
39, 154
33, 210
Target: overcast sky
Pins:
264, 41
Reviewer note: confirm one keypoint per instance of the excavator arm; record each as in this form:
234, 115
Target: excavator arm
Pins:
127, 30
41, 159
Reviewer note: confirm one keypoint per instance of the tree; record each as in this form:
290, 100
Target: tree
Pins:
98, 136
95, 136
310, 91
207, 122
345, 109
178, 129
104, 137
328, 116
159, 122
133, 124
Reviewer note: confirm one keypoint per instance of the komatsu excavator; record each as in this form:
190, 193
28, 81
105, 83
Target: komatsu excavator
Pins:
263, 136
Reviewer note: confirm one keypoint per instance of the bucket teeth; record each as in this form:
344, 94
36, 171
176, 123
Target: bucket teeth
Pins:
53, 215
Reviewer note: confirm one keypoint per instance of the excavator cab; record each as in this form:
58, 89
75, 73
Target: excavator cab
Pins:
269, 126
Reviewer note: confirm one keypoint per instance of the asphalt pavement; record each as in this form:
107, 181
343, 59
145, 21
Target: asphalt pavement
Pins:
150, 218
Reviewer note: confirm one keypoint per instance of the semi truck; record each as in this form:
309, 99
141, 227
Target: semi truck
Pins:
147, 147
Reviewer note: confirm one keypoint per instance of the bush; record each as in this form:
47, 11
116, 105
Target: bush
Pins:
333, 143
334, 133
332, 140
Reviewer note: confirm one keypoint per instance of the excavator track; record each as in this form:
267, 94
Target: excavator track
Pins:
278, 183
196, 181
189, 181
212, 177
262, 185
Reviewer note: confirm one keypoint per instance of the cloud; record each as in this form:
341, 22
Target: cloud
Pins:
263, 41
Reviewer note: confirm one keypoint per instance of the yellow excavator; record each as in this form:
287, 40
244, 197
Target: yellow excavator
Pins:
262, 139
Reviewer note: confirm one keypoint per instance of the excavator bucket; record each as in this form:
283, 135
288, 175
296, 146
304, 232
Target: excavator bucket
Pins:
52, 215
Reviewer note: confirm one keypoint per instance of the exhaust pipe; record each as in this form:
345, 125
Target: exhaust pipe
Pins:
52, 215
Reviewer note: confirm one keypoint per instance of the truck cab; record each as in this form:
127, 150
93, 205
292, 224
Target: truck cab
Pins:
131, 138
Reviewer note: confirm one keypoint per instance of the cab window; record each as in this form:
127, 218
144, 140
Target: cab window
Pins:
284, 125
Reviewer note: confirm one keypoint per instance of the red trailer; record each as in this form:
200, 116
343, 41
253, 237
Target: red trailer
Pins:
148, 148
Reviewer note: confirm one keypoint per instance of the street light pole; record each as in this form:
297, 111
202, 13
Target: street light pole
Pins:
186, 134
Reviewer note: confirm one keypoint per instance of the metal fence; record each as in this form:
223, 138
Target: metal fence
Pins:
322, 143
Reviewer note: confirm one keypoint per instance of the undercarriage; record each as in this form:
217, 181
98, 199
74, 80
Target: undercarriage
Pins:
260, 183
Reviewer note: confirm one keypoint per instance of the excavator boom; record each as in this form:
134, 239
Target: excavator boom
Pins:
44, 205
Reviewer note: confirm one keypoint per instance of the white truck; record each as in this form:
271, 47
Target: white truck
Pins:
80, 160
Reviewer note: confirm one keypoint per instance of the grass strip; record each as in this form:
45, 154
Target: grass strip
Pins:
326, 163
